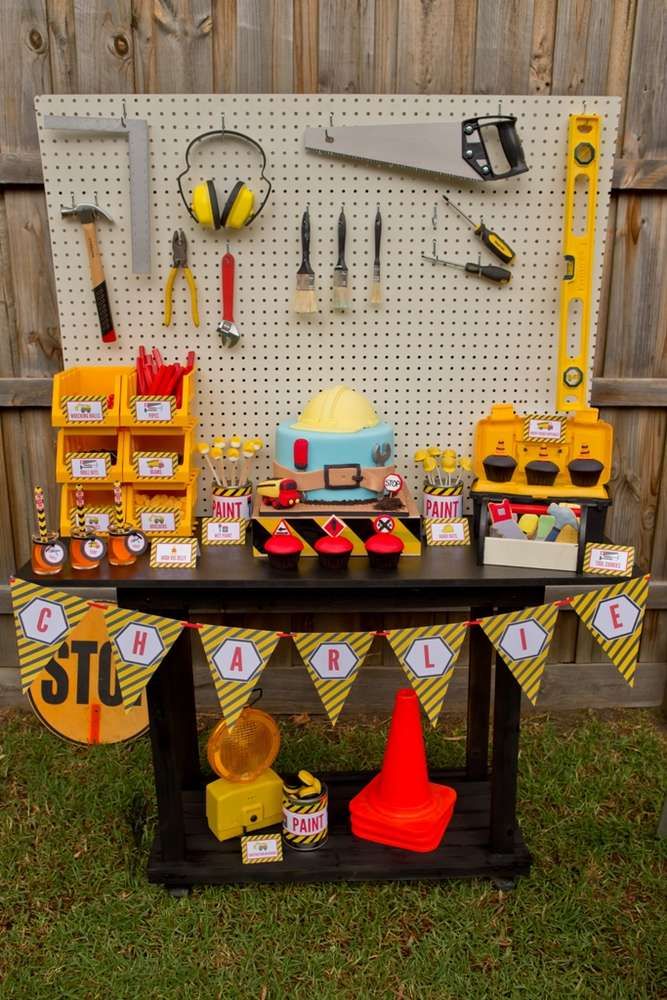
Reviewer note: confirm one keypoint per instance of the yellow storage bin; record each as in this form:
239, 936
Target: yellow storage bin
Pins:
163, 510
88, 396
137, 410
158, 454
99, 507
89, 455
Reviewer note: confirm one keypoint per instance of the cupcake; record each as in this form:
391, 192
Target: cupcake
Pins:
585, 471
384, 550
499, 468
283, 551
541, 473
333, 553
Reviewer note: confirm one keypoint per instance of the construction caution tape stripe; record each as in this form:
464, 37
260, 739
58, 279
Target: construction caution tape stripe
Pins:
326, 653
622, 650
529, 629
248, 648
427, 656
138, 652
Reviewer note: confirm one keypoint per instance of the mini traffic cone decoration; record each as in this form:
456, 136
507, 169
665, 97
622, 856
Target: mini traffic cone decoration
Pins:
400, 807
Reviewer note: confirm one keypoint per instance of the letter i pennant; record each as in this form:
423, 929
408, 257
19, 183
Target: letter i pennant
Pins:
43, 618
236, 658
615, 615
523, 638
427, 656
139, 643
333, 660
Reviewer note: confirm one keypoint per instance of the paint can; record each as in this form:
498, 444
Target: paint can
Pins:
234, 502
305, 813
442, 501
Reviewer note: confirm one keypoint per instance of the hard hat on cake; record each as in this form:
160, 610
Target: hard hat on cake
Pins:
337, 409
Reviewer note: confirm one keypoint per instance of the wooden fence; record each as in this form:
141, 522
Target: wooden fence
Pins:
358, 46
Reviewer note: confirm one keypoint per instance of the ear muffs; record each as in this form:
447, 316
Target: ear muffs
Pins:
205, 205
238, 207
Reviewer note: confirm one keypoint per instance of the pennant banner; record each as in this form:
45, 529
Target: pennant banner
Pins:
43, 619
615, 615
333, 660
236, 657
139, 642
427, 656
523, 639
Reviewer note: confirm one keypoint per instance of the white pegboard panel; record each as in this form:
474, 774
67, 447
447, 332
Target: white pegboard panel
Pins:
432, 359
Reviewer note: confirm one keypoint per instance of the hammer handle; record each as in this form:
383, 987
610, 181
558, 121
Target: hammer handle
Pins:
99, 284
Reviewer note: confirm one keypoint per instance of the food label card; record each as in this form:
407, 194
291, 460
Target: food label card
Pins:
155, 465
609, 560
86, 410
548, 427
152, 409
222, 531
261, 848
447, 531
174, 553
158, 520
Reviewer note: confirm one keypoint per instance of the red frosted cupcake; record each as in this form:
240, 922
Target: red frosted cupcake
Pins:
334, 553
384, 550
283, 551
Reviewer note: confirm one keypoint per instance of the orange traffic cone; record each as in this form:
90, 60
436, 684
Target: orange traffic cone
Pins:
400, 806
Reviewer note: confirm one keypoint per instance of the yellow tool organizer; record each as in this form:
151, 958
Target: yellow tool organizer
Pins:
583, 148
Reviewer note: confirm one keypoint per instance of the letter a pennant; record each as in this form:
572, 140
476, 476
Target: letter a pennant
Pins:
43, 619
523, 639
139, 643
333, 660
615, 615
236, 658
427, 656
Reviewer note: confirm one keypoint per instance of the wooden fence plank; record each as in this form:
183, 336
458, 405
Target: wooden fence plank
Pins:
646, 113
640, 175
540, 73
629, 392
385, 76
8, 338
581, 46
264, 41
172, 47
30, 452
24, 71
104, 46
21, 169
224, 49
436, 46
63, 56
25, 392
503, 46
346, 46
306, 39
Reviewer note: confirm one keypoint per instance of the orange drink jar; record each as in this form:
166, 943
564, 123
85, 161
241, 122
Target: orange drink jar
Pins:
125, 545
86, 551
48, 554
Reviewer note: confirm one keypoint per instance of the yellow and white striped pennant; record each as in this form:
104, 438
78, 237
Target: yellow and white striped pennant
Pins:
523, 638
428, 656
236, 658
615, 615
333, 660
139, 643
43, 618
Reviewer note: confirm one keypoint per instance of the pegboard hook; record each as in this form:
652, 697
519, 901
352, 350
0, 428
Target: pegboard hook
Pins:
434, 217
329, 138
123, 116
222, 123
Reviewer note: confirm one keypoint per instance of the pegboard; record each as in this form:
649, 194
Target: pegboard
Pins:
442, 347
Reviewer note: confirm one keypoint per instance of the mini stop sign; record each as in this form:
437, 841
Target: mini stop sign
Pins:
393, 483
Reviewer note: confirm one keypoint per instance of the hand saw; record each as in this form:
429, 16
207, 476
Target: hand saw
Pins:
457, 149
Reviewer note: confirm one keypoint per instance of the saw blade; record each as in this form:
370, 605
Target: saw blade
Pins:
433, 147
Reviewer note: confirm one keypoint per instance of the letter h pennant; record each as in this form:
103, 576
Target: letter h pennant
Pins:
139, 643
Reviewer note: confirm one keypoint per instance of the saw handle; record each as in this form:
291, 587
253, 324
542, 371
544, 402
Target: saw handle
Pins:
378, 237
98, 283
475, 152
227, 268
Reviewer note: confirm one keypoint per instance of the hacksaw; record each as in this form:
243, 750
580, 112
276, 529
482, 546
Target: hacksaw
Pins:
467, 149
583, 147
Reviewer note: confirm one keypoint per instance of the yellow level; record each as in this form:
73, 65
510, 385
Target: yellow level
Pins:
583, 148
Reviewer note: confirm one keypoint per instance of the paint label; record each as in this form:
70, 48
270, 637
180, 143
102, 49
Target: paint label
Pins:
237, 508
442, 506
305, 824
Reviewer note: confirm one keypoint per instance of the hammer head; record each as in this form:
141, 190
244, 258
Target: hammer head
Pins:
85, 212
562, 516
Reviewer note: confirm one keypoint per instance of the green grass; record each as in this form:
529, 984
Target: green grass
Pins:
78, 919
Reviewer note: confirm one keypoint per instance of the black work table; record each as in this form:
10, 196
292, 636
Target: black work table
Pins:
483, 838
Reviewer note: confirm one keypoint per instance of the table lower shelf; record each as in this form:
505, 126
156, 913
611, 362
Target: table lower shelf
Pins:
463, 853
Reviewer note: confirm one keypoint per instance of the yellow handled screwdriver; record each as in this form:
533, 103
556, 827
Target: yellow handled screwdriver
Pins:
496, 244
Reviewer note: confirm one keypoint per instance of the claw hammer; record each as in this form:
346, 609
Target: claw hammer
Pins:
86, 214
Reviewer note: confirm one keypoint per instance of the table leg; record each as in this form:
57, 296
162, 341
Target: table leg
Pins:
506, 720
479, 700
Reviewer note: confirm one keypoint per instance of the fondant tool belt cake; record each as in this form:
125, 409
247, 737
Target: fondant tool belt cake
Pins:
337, 477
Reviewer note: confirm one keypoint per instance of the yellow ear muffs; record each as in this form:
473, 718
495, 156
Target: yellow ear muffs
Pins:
205, 205
238, 207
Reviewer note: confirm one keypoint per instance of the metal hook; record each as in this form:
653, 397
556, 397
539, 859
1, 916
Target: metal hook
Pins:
227, 246
500, 109
72, 194
435, 252
123, 117
95, 196
434, 217
329, 138
222, 128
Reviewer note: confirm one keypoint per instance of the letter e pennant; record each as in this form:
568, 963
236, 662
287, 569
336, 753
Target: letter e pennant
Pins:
615, 615
523, 638
43, 619
139, 643
236, 658
333, 660
427, 656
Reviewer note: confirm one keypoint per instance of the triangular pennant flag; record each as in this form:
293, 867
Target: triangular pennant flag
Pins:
333, 660
139, 642
615, 615
43, 618
236, 657
427, 656
523, 639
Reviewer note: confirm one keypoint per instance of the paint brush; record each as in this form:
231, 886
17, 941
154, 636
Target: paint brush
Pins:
305, 297
341, 289
375, 297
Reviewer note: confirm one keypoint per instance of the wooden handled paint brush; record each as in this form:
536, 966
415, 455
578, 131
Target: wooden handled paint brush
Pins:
341, 289
375, 297
305, 297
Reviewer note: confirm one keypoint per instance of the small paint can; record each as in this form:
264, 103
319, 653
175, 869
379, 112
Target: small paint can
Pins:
305, 818
442, 501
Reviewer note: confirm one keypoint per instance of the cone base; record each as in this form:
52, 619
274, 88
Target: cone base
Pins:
418, 830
